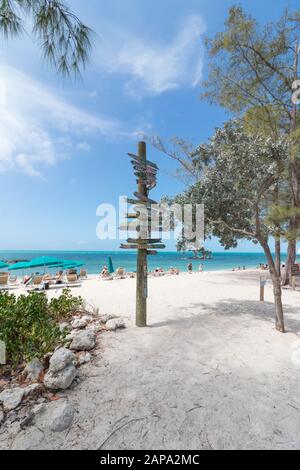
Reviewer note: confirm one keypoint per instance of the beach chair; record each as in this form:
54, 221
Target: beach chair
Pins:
83, 274
4, 277
72, 280
120, 273
36, 283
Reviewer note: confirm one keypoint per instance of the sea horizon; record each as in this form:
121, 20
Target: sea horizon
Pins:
93, 261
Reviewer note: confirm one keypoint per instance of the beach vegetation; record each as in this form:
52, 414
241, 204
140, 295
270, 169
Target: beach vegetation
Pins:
253, 73
241, 175
29, 324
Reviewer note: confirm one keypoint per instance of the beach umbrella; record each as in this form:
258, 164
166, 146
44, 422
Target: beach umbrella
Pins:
110, 266
73, 266
3, 265
44, 261
22, 265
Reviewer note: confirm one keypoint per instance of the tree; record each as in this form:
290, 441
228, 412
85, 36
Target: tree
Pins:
252, 72
240, 175
64, 39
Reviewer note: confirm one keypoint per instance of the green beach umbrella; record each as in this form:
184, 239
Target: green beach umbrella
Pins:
44, 261
3, 265
73, 266
110, 266
22, 265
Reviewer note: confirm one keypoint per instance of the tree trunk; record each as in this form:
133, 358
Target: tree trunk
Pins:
279, 317
290, 260
278, 256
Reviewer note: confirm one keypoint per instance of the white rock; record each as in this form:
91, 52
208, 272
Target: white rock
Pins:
33, 370
32, 389
87, 318
61, 358
84, 341
115, 324
56, 416
11, 398
60, 380
79, 324
105, 318
84, 359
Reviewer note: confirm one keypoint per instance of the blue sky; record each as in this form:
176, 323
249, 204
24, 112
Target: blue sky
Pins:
63, 144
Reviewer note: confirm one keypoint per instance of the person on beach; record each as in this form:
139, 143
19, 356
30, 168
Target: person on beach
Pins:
190, 268
104, 273
201, 268
59, 278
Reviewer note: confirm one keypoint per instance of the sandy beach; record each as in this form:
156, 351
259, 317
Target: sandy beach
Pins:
210, 371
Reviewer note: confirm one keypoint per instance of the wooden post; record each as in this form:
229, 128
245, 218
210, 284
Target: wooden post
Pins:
142, 265
262, 283
294, 282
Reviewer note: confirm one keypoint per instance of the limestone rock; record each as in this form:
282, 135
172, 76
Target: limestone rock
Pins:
60, 380
79, 324
84, 340
11, 398
56, 416
105, 318
33, 370
84, 358
115, 324
61, 358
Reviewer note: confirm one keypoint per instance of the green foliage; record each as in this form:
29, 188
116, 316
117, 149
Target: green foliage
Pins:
29, 324
64, 39
64, 306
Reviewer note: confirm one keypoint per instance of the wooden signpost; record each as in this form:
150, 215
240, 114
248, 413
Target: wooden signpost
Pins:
146, 173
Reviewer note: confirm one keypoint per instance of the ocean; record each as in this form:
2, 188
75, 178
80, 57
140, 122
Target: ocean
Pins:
93, 261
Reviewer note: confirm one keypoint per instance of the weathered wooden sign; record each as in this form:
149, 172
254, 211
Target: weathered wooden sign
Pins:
146, 172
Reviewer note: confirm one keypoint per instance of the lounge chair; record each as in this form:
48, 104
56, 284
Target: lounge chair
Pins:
83, 274
4, 277
72, 280
120, 273
37, 282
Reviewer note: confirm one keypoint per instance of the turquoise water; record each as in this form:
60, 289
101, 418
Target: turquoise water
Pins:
94, 261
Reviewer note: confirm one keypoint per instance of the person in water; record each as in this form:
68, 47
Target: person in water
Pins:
190, 268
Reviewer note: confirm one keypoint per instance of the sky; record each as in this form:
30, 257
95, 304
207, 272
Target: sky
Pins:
63, 143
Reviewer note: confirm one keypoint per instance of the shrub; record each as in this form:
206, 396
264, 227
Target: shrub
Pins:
65, 305
29, 324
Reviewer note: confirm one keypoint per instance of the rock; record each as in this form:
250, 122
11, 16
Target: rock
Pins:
11, 398
56, 416
105, 318
28, 440
84, 341
115, 324
84, 358
61, 358
79, 324
61, 415
1, 416
87, 318
60, 380
34, 370
33, 389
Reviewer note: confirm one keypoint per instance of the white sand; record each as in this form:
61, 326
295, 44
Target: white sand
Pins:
210, 371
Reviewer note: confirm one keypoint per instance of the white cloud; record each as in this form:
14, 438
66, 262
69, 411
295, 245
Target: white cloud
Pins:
155, 68
38, 128
83, 146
